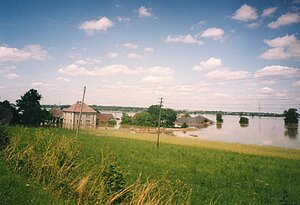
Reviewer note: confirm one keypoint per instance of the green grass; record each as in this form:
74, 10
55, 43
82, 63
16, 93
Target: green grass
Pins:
19, 190
217, 173
228, 173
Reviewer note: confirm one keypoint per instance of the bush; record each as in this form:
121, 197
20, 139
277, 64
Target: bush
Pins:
219, 118
184, 125
244, 120
4, 138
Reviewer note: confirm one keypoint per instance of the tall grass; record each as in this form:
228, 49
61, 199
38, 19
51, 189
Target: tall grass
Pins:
52, 158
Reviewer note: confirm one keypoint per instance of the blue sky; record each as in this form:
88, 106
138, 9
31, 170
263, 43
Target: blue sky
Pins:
198, 55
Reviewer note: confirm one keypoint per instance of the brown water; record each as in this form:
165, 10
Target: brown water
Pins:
267, 131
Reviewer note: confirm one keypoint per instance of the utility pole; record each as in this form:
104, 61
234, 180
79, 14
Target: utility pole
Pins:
159, 116
79, 121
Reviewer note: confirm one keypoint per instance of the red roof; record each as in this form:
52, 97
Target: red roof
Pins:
76, 108
104, 118
56, 112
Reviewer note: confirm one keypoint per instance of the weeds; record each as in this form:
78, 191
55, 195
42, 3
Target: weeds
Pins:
54, 161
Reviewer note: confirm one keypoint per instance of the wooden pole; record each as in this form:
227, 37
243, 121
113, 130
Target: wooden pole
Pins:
81, 106
159, 119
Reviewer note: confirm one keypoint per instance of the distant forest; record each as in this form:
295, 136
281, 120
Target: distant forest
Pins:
139, 109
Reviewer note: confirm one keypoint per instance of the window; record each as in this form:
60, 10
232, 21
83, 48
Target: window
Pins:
88, 121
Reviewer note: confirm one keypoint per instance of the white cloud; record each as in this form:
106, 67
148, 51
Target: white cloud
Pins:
227, 74
214, 33
124, 20
265, 90
88, 61
144, 12
269, 11
130, 45
37, 84
183, 39
100, 25
149, 50
111, 70
158, 79
296, 84
211, 63
158, 70
198, 25
277, 70
286, 19
245, 13
253, 25
9, 72
63, 79
134, 56
111, 55
284, 47
30, 52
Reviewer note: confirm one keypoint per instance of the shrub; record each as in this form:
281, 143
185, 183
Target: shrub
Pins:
244, 120
4, 137
219, 118
184, 125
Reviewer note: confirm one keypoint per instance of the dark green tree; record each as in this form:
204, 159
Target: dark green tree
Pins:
291, 116
29, 107
126, 119
6, 105
168, 117
219, 118
184, 125
144, 119
244, 120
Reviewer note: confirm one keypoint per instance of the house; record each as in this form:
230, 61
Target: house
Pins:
198, 121
71, 116
57, 116
105, 119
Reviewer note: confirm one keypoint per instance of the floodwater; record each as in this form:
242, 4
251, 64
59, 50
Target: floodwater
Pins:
267, 131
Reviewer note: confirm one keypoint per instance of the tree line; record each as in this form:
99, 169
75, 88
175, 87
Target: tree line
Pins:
26, 111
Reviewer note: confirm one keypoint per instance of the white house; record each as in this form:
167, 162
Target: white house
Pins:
71, 116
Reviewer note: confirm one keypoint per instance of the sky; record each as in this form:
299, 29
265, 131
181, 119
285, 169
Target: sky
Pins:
197, 55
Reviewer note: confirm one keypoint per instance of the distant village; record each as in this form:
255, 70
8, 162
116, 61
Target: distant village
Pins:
68, 117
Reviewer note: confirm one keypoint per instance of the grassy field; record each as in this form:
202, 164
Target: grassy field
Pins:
217, 173
19, 190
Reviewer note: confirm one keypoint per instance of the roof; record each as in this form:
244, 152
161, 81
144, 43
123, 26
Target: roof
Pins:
197, 119
104, 117
76, 108
56, 112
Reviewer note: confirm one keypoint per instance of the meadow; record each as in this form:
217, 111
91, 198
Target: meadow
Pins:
182, 169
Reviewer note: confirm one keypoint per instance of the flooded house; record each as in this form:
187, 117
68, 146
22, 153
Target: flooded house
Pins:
104, 120
71, 116
197, 121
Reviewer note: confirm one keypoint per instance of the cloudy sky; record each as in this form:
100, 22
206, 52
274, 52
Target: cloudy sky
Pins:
197, 55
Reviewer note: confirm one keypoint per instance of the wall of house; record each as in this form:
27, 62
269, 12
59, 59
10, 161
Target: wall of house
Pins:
88, 120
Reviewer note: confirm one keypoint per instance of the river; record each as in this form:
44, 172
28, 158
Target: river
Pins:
267, 131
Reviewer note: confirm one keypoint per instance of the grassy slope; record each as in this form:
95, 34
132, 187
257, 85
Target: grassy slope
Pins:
18, 190
231, 173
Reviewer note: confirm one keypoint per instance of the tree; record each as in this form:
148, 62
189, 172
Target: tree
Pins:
244, 120
291, 116
168, 117
219, 118
7, 106
144, 119
126, 119
31, 113
184, 125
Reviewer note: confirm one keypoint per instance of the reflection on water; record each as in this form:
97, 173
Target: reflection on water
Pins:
244, 125
291, 132
269, 131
